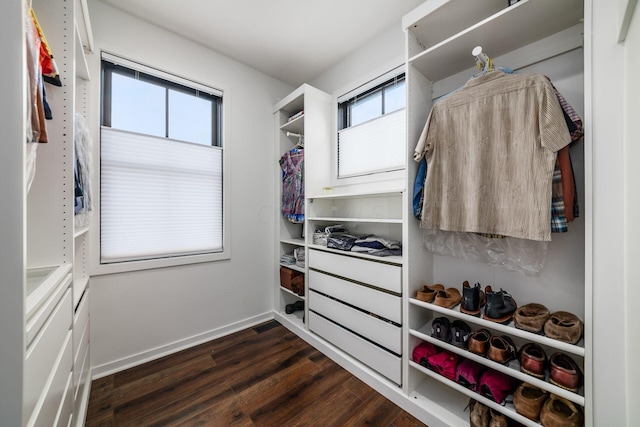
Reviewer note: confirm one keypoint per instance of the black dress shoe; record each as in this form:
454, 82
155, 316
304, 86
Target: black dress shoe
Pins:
500, 306
290, 308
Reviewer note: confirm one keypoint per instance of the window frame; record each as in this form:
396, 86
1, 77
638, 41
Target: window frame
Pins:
223, 118
394, 178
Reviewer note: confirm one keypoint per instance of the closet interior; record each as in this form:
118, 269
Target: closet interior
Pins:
363, 309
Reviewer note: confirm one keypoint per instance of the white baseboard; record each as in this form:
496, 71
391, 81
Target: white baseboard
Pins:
149, 355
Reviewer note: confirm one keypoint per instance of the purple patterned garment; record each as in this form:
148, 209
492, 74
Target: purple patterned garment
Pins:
292, 165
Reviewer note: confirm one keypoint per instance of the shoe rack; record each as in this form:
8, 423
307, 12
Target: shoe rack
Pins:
531, 36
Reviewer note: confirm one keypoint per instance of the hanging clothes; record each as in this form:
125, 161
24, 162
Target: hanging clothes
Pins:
491, 149
48, 65
292, 166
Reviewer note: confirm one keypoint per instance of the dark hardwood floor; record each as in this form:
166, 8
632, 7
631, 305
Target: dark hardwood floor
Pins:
262, 376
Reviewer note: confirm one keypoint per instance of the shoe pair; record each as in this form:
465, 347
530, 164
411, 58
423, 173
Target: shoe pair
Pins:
564, 371
499, 306
456, 332
500, 349
553, 411
483, 416
447, 298
561, 325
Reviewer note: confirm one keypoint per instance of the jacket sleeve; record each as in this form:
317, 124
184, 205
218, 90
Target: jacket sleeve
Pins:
423, 144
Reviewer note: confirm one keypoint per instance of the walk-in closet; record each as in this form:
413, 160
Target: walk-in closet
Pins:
433, 201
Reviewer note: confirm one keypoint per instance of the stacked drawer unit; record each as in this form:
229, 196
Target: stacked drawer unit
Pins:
356, 305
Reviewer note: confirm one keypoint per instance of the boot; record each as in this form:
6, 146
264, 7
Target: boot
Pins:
500, 306
497, 419
478, 414
290, 308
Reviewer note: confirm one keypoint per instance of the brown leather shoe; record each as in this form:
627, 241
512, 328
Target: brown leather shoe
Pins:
565, 372
531, 317
448, 298
528, 400
428, 292
497, 419
478, 414
501, 349
560, 412
533, 360
479, 341
564, 326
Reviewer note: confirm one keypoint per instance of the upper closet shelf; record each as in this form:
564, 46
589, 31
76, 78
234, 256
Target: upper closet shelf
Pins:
296, 125
82, 68
525, 22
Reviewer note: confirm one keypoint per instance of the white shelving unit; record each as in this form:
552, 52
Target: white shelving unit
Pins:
306, 112
50, 275
440, 37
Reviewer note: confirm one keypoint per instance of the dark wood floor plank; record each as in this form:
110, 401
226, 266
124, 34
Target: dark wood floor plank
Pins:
336, 405
376, 411
296, 400
266, 377
161, 379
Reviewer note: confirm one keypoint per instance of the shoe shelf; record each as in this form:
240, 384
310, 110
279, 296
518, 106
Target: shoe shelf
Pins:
292, 293
509, 329
293, 267
512, 369
507, 409
346, 219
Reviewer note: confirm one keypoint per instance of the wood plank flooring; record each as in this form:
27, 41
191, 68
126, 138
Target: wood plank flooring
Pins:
262, 376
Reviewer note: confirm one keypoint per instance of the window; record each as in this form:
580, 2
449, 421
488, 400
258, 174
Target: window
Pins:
161, 180
372, 128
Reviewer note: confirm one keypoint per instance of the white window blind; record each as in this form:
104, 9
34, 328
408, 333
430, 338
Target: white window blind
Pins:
159, 197
374, 146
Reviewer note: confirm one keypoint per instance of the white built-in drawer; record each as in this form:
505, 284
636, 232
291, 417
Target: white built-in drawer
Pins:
372, 328
378, 274
40, 316
79, 356
80, 322
371, 355
41, 355
65, 412
381, 303
52, 400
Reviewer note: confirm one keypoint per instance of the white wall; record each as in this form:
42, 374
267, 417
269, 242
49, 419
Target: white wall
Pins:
378, 56
632, 207
139, 315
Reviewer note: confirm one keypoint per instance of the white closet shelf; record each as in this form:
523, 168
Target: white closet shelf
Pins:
82, 68
346, 219
383, 193
292, 293
293, 267
424, 390
512, 369
292, 241
41, 282
79, 232
542, 18
388, 259
296, 125
508, 329
291, 321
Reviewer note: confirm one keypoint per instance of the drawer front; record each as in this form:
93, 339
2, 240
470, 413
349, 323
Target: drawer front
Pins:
54, 391
80, 322
44, 350
381, 303
37, 320
66, 406
371, 355
374, 329
79, 356
385, 276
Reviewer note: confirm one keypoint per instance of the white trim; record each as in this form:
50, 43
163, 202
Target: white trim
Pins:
625, 22
158, 352
118, 60
372, 83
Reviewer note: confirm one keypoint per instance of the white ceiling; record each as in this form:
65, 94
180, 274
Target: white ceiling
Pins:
290, 40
